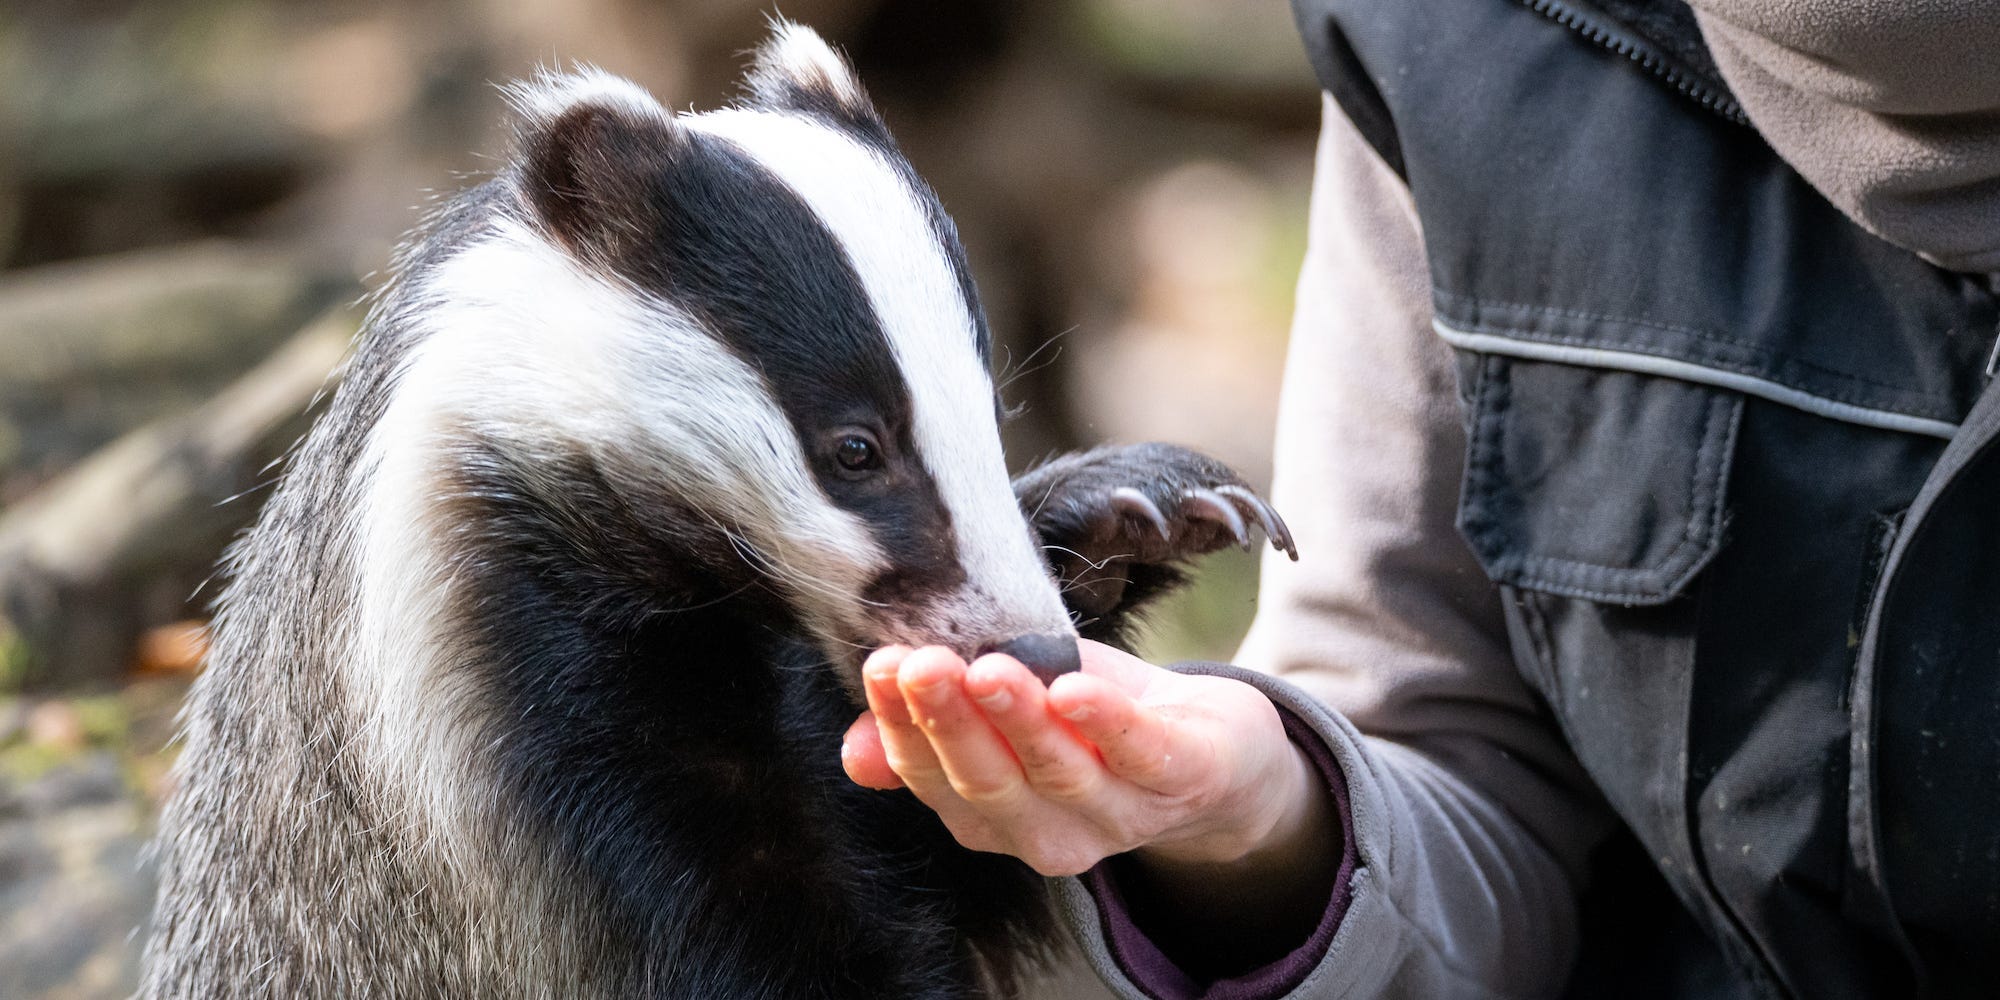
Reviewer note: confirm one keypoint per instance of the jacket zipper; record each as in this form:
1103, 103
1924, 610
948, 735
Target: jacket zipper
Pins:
1993, 359
1708, 97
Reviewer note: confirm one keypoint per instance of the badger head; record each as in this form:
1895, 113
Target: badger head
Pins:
755, 326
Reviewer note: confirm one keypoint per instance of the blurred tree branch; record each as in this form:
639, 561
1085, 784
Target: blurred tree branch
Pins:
90, 349
74, 554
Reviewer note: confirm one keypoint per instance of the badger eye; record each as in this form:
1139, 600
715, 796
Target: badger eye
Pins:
857, 453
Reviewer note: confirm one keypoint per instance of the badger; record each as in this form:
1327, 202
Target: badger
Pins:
531, 678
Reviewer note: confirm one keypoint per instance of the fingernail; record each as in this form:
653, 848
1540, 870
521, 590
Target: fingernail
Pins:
934, 695
1078, 713
999, 701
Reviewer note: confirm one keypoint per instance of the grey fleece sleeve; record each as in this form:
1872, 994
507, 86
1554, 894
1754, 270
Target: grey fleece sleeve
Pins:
1891, 108
1471, 819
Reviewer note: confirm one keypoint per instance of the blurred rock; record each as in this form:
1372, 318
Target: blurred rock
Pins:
13, 719
73, 887
54, 725
90, 349
140, 124
88, 780
78, 556
124, 89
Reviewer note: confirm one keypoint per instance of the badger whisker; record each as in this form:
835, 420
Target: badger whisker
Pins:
1042, 503
1007, 379
1093, 564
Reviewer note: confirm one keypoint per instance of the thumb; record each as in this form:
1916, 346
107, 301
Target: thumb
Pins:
861, 755
1128, 673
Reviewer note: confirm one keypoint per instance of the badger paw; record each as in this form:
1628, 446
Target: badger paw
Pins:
1117, 524
1223, 507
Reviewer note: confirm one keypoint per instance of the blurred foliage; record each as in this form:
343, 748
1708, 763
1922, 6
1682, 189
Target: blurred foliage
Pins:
1200, 43
184, 184
16, 659
1208, 619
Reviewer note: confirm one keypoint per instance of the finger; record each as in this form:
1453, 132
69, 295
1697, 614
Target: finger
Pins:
878, 677
1130, 673
980, 767
863, 758
904, 747
1055, 762
1136, 742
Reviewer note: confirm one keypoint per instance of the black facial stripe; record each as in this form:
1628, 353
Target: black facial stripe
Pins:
735, 247
868, 130
721, 238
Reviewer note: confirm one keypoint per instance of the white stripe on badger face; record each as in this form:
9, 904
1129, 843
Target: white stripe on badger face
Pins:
876, 217
520, 344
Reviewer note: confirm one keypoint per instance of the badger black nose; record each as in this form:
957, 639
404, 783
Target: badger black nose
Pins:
1049, 655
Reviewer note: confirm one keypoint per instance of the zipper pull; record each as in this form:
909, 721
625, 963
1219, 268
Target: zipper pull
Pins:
1993, 356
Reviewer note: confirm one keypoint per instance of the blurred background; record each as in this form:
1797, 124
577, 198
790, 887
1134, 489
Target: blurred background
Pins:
194, 194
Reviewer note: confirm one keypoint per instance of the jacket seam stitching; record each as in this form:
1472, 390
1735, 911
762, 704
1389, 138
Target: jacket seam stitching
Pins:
1710, 336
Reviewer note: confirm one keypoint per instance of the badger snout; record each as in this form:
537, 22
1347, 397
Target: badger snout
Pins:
1048, 654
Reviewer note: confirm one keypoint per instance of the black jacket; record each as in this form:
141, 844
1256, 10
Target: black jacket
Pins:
1732, 459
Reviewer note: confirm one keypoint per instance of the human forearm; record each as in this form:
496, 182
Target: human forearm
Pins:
1439, 892
1245, 906
1467, 815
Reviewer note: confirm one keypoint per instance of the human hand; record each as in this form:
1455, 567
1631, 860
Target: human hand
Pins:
1189, 770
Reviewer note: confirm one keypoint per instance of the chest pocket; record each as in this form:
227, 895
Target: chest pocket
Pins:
1602, 485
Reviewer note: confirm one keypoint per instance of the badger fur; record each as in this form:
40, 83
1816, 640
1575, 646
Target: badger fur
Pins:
531, 679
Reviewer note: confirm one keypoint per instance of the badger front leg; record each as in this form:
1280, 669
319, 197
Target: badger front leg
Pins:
1119, 524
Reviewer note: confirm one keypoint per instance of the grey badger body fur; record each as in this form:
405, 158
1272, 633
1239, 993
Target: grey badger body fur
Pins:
531, 678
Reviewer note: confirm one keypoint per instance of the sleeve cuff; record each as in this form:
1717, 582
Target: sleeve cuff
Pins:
1158, 976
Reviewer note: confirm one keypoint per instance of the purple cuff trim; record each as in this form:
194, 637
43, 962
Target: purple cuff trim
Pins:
1151, 970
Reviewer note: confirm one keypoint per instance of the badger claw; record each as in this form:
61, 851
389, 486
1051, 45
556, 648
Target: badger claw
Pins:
1209, 505
1274, 525
1091, 511
1127, 500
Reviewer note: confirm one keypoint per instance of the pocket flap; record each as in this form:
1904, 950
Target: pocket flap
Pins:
1596, 484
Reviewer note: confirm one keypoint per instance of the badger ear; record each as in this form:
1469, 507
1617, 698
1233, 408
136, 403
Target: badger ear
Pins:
590, 150
795, 70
